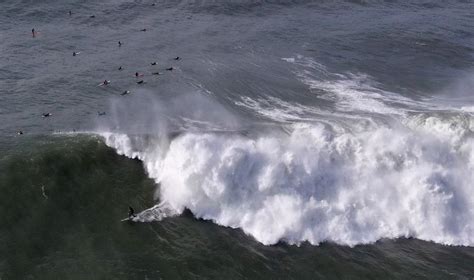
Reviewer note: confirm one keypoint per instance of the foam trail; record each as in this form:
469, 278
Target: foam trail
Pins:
322, 183
354, 92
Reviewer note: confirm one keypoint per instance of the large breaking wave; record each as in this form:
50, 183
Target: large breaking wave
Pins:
316, 184
317, 181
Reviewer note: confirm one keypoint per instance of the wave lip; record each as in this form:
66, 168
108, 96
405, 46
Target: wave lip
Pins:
319, 183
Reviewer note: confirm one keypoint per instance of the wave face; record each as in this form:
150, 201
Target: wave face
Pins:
321, 180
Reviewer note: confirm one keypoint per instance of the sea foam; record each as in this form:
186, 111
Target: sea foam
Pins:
319, 182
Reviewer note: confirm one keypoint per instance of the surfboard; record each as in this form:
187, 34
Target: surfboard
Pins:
129, 219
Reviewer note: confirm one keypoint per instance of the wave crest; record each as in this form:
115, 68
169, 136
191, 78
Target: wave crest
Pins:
320, 183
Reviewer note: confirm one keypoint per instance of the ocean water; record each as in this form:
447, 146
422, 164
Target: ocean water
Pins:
291, 140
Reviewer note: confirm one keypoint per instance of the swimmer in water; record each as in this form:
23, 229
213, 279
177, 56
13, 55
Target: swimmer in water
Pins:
141, 82
120, 68
33, 32
177, 58
125, 92
70, 13
101, 113
45, 115
153, 63
156, 73
119, 43
169, 69
144, 29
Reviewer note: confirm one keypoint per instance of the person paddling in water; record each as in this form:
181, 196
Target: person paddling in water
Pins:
131, 212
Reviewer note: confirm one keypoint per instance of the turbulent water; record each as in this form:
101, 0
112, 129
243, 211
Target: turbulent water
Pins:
291, 140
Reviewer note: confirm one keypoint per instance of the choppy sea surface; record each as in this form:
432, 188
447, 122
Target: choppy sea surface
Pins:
290, 140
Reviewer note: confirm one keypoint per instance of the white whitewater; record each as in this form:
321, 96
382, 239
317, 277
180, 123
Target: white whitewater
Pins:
319, 185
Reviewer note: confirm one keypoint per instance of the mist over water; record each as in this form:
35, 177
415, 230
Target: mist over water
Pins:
292, 139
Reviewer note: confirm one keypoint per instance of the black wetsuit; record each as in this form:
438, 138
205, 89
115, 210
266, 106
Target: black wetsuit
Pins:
131, 212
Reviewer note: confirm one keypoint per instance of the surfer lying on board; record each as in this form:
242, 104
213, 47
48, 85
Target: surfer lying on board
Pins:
104, 83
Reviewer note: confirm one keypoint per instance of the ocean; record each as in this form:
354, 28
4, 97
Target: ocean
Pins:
254, 139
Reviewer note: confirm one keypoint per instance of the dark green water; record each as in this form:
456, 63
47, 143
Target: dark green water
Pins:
73, 230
